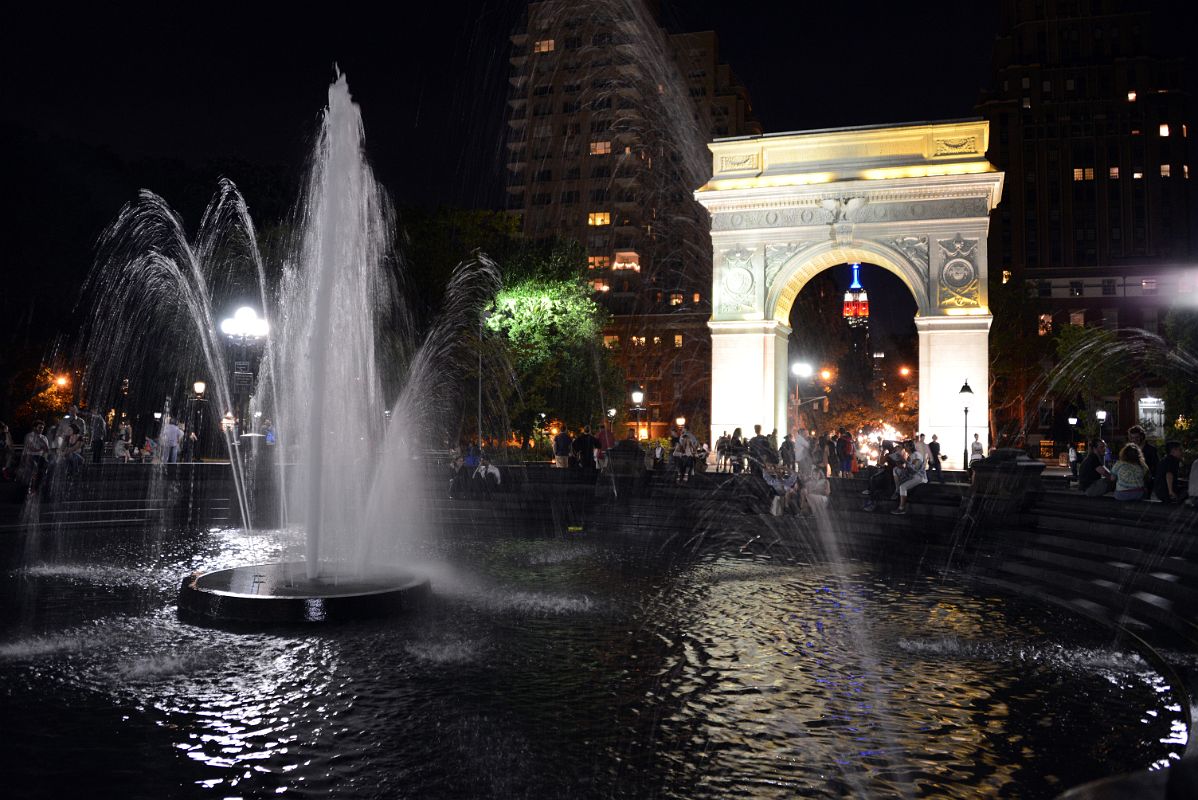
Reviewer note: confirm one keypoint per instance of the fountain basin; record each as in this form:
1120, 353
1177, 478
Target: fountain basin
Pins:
268, 594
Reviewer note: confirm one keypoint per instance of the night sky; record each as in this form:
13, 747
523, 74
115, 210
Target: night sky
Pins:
98, 104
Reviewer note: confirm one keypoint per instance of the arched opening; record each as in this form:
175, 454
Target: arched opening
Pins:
862, 371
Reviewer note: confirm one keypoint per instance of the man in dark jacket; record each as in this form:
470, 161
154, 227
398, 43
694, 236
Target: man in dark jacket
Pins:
760, 452
584, 448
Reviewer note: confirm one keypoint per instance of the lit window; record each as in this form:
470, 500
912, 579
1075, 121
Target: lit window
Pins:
1027, 102
1114, 173
1165, 171
1006, 276
657, 341
598, 262
676, 298
599, 218
600, 148
638, 341
1083, 174
1185, 171
1045, 327
1185, 131
611, 342
600, 286
1148, 286
1131, 96
678, 340
543, 46
1164, 129
1077, 318
1135, 131
1076, 288
696, 298
1137, 175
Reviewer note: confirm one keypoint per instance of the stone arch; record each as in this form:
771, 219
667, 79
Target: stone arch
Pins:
912, 199
809, 262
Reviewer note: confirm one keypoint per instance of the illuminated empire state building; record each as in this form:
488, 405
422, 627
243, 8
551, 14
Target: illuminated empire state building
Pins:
856, 301
856, 314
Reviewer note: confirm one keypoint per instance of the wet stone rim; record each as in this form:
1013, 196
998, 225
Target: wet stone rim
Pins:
266, 594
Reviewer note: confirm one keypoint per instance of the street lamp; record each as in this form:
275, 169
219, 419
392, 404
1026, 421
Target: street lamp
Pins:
680, 421
965, 394
243, 328
638, 397
802, 371
1100, 415
199, 387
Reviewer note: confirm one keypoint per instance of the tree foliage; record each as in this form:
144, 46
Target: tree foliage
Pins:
551, 330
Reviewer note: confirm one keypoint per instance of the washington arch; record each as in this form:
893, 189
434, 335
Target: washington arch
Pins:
914, 199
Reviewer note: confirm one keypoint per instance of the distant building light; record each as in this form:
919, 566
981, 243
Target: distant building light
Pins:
1137, 175
1166, 171
678, 340
1006, 276
1164, 129
543, 46
1131, 96
1113, 173
600, 148
879, 354
1148, 285
599, 218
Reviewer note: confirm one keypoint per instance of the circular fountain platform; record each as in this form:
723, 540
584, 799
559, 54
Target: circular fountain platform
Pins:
282, 593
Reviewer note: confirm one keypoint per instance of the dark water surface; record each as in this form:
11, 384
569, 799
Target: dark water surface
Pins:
579, 667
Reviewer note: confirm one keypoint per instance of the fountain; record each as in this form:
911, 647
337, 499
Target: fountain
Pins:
342, 451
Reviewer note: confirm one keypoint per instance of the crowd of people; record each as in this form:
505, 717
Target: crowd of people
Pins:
1138, 472
63, 449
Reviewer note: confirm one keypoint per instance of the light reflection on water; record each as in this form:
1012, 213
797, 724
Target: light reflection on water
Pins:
582, 668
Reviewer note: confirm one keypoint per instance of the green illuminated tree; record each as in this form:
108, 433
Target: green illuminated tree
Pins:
552, 332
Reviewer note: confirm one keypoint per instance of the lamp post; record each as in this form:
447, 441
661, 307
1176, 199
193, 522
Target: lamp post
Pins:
802, 370
965, 394
1100, 415
638, 397
244, 328
197, 417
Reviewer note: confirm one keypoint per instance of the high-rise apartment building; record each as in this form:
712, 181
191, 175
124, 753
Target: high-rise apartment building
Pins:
1091, 124
609, 120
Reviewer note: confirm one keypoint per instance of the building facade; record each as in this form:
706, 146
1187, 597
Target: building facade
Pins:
1091, 124
609, 119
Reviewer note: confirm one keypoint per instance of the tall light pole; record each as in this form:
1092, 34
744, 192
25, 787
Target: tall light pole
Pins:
638, 397
966, 393
245, 327
1100, 415
802, 371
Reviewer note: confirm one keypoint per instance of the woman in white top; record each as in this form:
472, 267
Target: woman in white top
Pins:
976, 451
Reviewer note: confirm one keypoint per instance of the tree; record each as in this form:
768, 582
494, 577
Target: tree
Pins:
1180, 369
1092, 364
1019, 356
551, 330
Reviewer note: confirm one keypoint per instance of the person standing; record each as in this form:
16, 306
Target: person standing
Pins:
34, 456
934, 457
687, 449
584, 448
99, 431
1073, 459
721, 452
170, 438
760, 452
7, 452
561, 448
844, 448
787, 453
736, 452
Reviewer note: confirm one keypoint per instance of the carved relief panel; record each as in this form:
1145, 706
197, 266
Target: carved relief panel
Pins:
959, 281
738, 282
